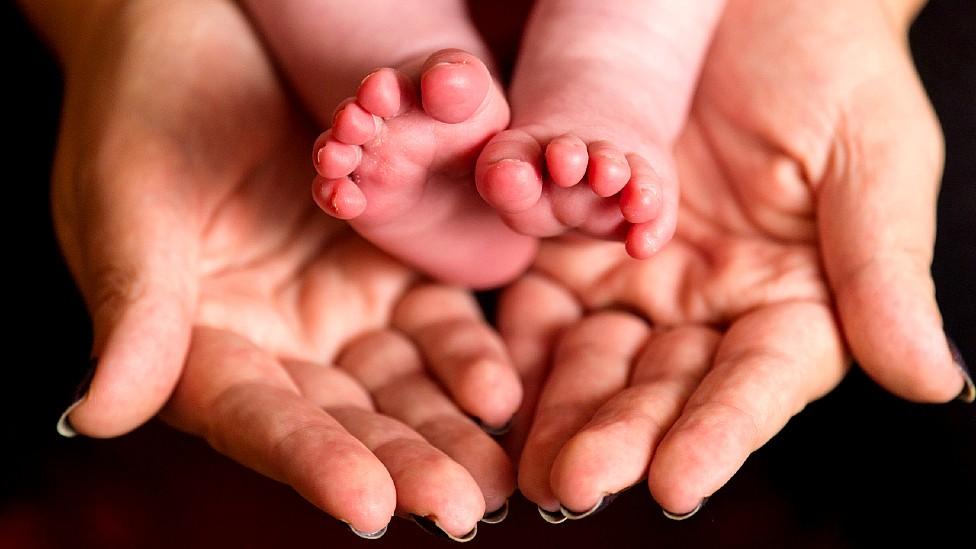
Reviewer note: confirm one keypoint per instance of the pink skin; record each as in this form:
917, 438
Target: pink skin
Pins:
595, 119
399, 164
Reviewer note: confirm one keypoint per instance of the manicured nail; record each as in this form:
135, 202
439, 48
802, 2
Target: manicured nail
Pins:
968, 393
65, 428
369, 535
552, 517
689, 514
493, 431
431, 527
497, 515
600, 505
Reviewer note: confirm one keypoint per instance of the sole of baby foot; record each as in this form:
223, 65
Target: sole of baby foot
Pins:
398, 163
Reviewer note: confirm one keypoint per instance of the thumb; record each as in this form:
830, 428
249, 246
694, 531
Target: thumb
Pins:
877, 221
130, 248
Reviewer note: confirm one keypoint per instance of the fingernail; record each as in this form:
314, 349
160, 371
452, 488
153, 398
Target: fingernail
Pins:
431, 527
493, 431
64, 427
689, 514
552, 517
497, 515
600, 505
369, 535
968, 393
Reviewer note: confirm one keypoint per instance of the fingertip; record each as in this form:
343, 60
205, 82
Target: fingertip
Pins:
894, 328
356, 489
698, 456
579, 471
491, 391
138, 367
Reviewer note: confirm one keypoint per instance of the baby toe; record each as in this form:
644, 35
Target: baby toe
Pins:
354, 125
608, 169
382, 92
340, 198
333, 159
566, 160
641, 199
507, 173
646, 239
453, 85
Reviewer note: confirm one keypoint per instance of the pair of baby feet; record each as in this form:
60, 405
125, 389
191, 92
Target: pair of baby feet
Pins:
407, 158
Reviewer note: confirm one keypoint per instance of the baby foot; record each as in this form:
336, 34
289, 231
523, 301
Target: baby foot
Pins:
534, 176
398, 163
600, 93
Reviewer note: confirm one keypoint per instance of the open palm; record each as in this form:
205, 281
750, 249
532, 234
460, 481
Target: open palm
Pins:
809, 168
182, 204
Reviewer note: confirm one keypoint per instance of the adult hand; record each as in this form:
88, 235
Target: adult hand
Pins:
810, 167
182, 205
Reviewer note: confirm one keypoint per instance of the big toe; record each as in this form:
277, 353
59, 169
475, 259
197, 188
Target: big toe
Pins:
453, 85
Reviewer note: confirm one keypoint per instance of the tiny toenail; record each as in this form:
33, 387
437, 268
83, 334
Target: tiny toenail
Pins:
496, 516
430, 526
689, 514
370, 73
600, 505
552, 517
968, 393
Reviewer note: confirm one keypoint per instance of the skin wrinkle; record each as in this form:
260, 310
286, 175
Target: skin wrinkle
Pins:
749, 209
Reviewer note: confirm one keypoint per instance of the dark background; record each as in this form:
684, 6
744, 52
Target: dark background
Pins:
857, 468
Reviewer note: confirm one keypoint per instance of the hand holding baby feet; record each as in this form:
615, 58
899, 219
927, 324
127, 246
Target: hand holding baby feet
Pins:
398, 163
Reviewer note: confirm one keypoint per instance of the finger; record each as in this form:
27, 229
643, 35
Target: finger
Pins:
613, 450
327, 386
246, 406
591, 363
131, 244
462, 351
877, 222
429, 484
532, 314
769, 365
390, 368
414, 465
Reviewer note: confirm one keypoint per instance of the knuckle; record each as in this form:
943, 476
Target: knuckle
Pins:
112, 287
